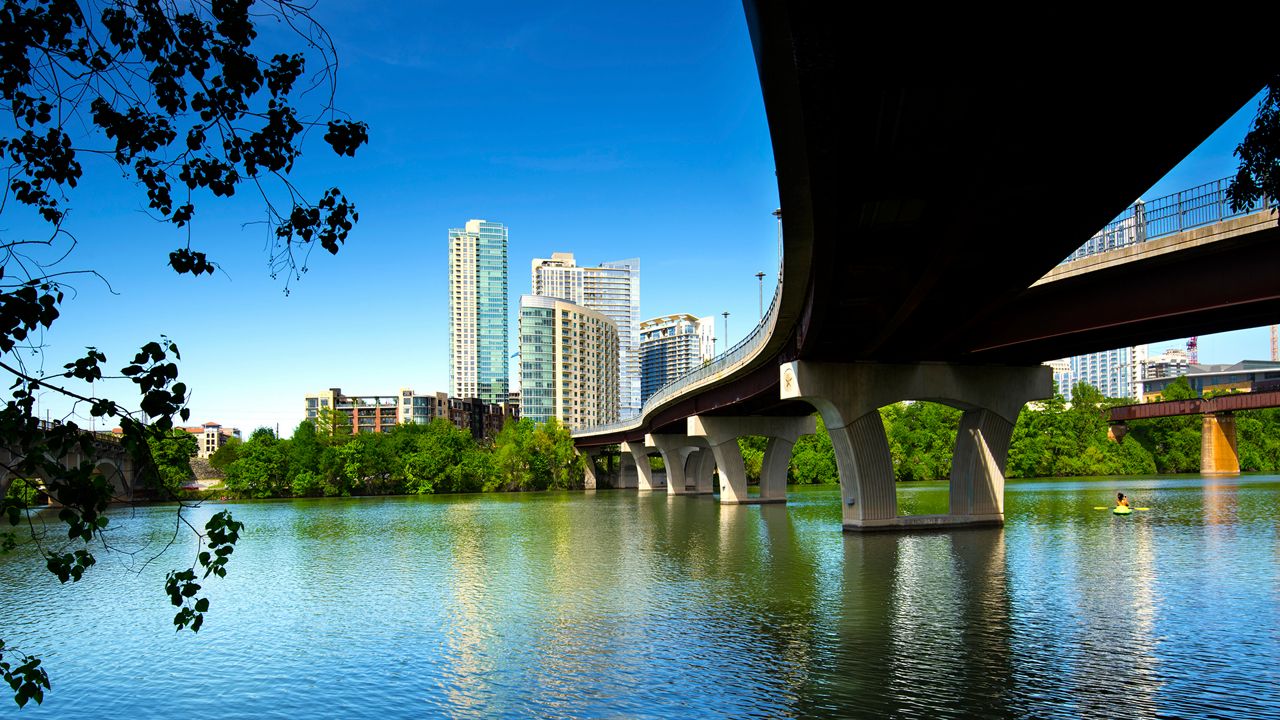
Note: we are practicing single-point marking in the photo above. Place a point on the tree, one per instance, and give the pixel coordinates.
(171, 457)
(1259, 173)
(177, 99)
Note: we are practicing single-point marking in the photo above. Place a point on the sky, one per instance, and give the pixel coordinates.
(609, 130)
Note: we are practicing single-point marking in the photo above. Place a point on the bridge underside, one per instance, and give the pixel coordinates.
(931, 180)
(926, 182)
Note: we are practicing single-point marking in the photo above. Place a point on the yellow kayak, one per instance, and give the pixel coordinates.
(1122, 510)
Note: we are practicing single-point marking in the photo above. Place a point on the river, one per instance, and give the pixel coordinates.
(620, 605)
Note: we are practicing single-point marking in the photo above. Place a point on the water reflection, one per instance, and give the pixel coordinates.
(619, 604)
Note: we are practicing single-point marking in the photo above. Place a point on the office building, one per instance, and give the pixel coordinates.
(671, 346)
(478, 311)
(612, 289)
(568, 363)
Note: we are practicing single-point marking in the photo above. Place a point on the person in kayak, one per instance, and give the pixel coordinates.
(1121, 500)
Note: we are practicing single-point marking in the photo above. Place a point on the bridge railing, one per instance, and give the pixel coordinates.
(1146, 220)
(743, 350)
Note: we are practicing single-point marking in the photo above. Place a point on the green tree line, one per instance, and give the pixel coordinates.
(437, 457)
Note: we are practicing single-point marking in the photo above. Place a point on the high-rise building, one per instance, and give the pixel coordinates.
(611, 288)
(568, 363)
(478, 311)
(671, 346)
(1116, 373)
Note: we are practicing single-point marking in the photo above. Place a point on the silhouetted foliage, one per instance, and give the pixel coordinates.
(1259, 173)
(174, 95)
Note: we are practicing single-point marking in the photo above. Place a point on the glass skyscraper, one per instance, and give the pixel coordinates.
(478, 311)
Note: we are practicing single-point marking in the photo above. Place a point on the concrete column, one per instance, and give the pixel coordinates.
(977, 466)
(627, 478)
(701, 467)
(1117, 431)
(640, 455)
(773, 470)
(1218, 450)
(722, 435)
(590, 481)
(849, 397)
(676, 450)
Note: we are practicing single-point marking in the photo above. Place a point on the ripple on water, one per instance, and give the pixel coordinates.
(619, 605)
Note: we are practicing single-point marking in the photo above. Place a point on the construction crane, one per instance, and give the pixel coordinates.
(1193, 350)
(1275, 343)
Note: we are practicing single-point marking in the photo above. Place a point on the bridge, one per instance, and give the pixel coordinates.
(109, 457)
(925, 207)
(1219, 452)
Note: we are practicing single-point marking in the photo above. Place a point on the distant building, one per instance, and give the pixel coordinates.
(1244, 376)
(380, 413)
(1061, 376)
(612, 289)
(568, 363)
(210, 437)
(363, 413)
(671, 346)
(478, 311)
(1170, 363)
(1116, 373)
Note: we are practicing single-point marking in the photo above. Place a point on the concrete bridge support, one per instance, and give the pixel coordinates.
(676, 451)
(640, 458)
(700, 468)
(590, 481)
(722, 435)
(849, 397)
(1218, 450)
(627, 476)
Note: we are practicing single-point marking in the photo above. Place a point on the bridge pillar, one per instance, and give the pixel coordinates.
(676, 451)
(640, 457)
(701, 467)
(627, 476)
(1116, 431)
(1218, 450)
(722, 435)
(849, 397)
(590, 481)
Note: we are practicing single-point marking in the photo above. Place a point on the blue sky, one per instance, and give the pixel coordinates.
(595, 128)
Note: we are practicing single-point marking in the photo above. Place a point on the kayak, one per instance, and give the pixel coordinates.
(1122, 510)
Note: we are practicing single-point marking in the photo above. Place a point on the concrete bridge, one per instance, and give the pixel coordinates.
(1219, 453)
(110, 460)
(923, 205)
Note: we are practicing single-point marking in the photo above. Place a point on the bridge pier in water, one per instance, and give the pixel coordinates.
(1218, 450)
(722, 435)
(680, 455)
(590, 473)
(849, 396)
(640, 459)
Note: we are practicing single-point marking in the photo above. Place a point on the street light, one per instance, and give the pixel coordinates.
(726, 330)
(760, 277)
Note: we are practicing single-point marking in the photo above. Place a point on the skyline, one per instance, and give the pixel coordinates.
(632, 132)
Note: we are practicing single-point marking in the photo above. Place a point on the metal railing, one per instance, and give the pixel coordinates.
(1142, 221)
(742, 351)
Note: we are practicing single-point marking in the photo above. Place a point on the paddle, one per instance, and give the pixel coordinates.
(1108, 507)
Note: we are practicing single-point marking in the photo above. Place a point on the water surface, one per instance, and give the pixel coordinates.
(617, 604)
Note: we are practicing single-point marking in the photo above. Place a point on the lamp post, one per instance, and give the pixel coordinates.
(760, 277)
(726, 330)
